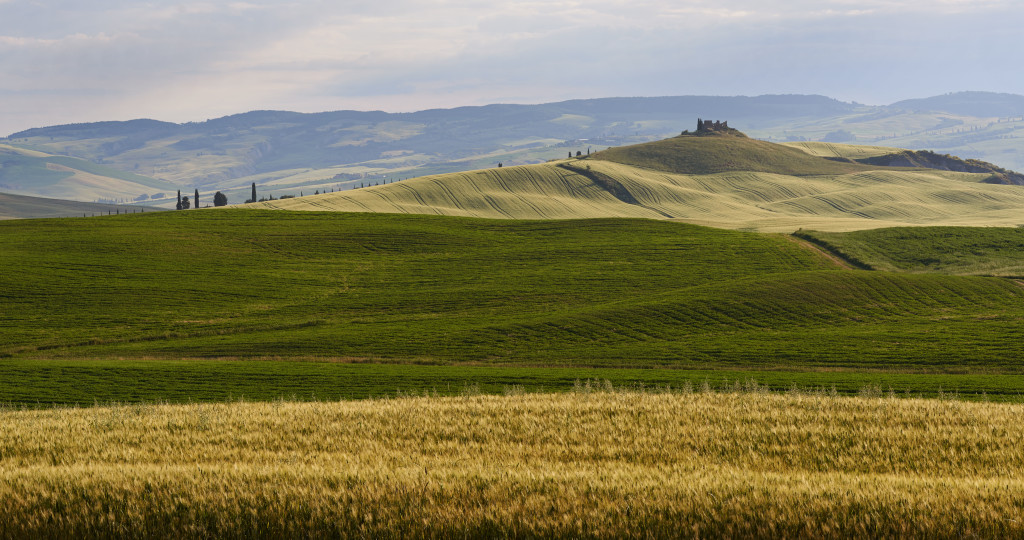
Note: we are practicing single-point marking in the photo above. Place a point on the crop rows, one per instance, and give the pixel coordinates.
(346, 288)
(592, 463)
(827, 195)
(995, 251)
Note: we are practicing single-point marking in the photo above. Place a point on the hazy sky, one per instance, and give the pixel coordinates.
(64, 61)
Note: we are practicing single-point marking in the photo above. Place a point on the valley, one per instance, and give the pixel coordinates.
(288, 153)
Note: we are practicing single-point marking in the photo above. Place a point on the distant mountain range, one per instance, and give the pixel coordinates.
(295, 153)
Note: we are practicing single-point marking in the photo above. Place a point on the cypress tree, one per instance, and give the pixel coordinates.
(254, 192)
(179, 200)
(195, 200)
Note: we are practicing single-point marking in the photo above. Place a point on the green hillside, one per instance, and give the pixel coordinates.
(22, 207)
(728, 182)
(990, 251)
(27, 172)
(340, 287)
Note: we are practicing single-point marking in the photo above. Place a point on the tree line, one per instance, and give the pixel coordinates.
(219, 199)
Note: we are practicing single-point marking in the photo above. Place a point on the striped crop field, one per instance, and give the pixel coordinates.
(734, 183)
(601, 464)
(839, 150)
(104, 301)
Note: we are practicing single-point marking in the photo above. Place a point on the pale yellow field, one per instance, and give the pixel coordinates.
(602, 464)
(736, 200)
(849, 151)
(22, 151)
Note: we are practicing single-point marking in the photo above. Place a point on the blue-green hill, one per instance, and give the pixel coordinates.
(22, 207)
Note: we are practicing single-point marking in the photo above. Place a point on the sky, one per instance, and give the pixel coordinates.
(70, 61)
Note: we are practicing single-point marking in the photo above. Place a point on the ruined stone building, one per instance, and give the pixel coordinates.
(708, 125)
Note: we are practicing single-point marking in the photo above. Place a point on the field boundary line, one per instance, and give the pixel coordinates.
(835, 258)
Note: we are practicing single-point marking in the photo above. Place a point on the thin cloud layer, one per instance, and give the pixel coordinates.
(69, 61)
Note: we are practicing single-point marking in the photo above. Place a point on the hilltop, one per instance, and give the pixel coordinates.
(723, 180)
(718, 152)
(293, 153)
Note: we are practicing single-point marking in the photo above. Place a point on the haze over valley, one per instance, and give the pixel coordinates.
(147, 161)
(604, 269)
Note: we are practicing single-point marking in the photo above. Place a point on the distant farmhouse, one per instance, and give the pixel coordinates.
(704, 126)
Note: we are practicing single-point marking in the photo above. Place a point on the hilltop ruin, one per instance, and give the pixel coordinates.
(704, 126)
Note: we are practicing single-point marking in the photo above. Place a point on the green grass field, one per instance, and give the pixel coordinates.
(125, 298)
(85, 382)
(989, 251)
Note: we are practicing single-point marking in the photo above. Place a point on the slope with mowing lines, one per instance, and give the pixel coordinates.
(839, 150)
(759, 186)
(723, 153)
(526, 192)
(617, 293)
(995, 251)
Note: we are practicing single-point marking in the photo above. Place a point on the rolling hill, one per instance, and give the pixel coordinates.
(723, 181)
(22, 207)
(111, 306)
(33, 173)
(294, 153)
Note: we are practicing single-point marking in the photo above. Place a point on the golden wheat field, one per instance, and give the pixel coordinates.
(758, 201)
(583, 464)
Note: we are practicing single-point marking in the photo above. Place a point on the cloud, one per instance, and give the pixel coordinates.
(186, 60)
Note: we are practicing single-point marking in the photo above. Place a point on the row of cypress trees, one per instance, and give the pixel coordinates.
(219, 199)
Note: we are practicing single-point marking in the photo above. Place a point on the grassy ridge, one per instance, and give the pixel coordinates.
(989, 251)
(450, 291)
(587, 464)
(726, 182)
(688, 154)
(839, 150)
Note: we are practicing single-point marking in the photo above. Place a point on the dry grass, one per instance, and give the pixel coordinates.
(849, 151)
(735, 200)
(600, 464)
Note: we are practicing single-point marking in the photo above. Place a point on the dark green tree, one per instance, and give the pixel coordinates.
(220, 199)
(185, 205)
(195, 200)
(254, 192)
(178, 207)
